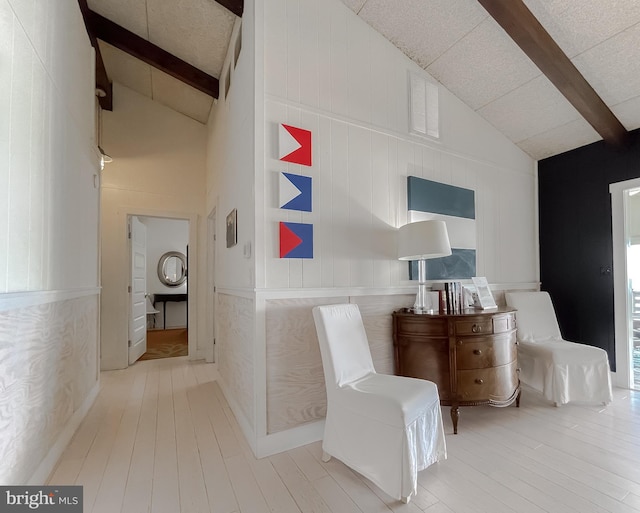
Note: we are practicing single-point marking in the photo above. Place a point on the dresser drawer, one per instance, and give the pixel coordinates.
(504, 323)
(474, 326)
(495, 385)
(415, 325)
(483, 352)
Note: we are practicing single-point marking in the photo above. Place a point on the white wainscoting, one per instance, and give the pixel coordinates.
(235, 346)
(294, 388)
(48, 370)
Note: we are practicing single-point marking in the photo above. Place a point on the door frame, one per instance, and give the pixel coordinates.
(210, 354)
(623, 377)
(192, 287)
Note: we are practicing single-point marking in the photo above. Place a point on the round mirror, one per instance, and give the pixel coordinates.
(172, 269)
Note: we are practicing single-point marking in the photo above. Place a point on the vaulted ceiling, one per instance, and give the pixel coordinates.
(171, 51)
(552, 75)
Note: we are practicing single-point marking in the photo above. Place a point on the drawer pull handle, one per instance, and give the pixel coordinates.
(477, 351)
(479, 381)
(476, 329)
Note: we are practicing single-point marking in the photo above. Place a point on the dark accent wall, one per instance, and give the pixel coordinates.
(576, 249)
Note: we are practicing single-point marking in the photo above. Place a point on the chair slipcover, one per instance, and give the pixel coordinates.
(387, 428)
(563, 371)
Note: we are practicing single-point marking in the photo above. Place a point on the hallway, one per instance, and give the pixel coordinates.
(157, 434)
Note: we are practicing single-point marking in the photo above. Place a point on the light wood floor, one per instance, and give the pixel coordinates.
(162, 438)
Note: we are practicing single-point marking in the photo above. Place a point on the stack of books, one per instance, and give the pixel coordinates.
(451, 296)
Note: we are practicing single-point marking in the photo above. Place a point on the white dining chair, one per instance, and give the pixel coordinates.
(563, 371)
(385, 427)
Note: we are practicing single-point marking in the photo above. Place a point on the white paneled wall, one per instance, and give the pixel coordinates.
(359, 199)
(49, 201)
(47, 165)
(231, 182)
(231, 162)
(327, 71)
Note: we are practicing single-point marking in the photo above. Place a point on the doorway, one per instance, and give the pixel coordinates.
(632, 244)
(625, 203)
(166, 287)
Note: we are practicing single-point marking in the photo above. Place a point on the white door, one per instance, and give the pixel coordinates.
(138, 308)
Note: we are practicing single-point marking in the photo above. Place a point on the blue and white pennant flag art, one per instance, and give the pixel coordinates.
(295, 192)
(456, 207)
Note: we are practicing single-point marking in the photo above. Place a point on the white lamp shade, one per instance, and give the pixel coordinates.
(423, 240)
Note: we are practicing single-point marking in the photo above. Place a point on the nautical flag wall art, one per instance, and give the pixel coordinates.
(294, 145)
(456, 207)
(296, 240)
(295, 192)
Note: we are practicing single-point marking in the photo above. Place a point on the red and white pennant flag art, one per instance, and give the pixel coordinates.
(294, 145)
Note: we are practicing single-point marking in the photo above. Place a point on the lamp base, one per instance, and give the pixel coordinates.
(423, 302)
(423, 310)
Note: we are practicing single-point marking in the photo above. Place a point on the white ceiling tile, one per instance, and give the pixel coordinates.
(130, 14)
(628, 113)
(354, 5)
(533, 108)
(581, 24)
(613, 68)
(129, 71)
(423, 30)
(483, 66)
(197, 31)
(560, 139)
(180, 97)
(455, 40)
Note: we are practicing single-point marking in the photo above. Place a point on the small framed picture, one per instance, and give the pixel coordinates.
(485, 298)
(232, 228)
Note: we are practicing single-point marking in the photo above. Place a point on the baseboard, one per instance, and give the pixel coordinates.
(46, 468)
(290, 439)
(245, 425)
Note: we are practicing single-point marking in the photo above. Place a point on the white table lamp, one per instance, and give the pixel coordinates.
(421, 241)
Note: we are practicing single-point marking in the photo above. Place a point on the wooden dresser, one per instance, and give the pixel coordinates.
(471, 356)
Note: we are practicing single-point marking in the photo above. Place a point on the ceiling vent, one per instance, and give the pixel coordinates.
(423, 106)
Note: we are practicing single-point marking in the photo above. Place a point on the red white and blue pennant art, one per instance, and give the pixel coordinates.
(294, 145)
(296, 240)
(295, 192)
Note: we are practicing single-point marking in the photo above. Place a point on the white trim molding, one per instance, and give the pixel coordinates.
(15, 300)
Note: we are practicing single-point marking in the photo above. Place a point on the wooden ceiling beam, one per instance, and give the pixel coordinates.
(523, 27)
(104, 87)
(235, 6)
(134, 45)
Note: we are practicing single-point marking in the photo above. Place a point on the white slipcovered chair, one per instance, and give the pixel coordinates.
(563, 371)
(385, 427)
